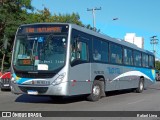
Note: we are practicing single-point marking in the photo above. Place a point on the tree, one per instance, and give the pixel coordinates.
(158, 65)
(13, 13)
(46, 16)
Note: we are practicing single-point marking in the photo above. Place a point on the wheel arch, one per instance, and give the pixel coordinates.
(142, 78)
(102, 79)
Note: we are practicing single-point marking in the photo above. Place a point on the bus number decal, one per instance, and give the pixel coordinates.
(99, 72)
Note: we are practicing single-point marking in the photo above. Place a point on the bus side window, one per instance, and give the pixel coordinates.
(79, 51)
(151, 61)
(127, 56)
(82, 51)
(115, 53)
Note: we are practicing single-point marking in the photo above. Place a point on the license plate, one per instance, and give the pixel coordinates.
(32, 92)
(6, 85)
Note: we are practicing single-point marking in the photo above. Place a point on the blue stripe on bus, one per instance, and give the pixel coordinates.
(20, 80)
(149, 72)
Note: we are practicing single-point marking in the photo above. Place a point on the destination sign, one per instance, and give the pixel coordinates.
(24, 61)
(43, 28)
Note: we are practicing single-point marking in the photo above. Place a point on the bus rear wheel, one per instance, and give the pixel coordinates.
(140, 86)
(96, 91)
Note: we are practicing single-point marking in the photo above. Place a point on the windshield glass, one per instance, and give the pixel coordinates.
(39, 52)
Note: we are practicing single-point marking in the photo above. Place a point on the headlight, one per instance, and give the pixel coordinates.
(13, 80)
(59, 79)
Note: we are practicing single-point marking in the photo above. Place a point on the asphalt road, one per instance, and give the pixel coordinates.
(125, 100)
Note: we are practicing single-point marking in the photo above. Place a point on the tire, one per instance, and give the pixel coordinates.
(140, 86)
(96, 91)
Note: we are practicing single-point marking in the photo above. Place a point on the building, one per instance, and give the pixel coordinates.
(132, 38)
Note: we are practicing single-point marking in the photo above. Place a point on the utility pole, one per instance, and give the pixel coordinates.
(94, 17)
(154, 41)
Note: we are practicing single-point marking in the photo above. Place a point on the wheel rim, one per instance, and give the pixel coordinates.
(141, 86)
(96, 90)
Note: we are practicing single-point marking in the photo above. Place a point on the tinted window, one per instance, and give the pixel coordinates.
(151, 61)
(128, 57)
(144, 60)
(115, 53)
(83, 51)
(137, 58)
(79, 47)
(100, 50)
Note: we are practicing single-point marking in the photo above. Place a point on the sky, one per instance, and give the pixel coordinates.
(134, 16)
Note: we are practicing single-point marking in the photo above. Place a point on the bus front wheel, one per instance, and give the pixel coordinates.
(96, 91)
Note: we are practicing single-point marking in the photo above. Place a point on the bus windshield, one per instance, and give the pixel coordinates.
(39, 52)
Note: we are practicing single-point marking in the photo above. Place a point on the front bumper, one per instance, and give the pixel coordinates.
(60, 90)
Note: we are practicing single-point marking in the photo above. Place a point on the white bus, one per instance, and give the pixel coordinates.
(60, 59)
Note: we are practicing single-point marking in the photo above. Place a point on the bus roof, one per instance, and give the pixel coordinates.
(91, 32)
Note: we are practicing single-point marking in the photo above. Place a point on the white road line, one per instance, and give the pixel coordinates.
(136, 102)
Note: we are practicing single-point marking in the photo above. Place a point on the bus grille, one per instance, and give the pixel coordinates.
(38, 89)
(34, 75)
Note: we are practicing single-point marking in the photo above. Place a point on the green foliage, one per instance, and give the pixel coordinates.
(46, 16)
(91, 28)
(12, 14)
(158, 65)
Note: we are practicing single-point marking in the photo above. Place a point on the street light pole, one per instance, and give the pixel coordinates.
(94, 16)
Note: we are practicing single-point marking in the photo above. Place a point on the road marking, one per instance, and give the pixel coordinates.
(136, 102)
